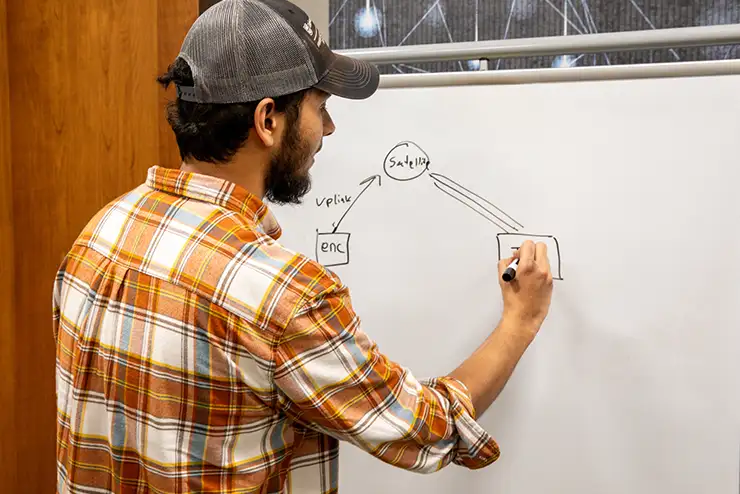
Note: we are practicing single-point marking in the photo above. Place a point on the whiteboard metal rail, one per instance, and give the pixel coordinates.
(536, 76)
(553, 45)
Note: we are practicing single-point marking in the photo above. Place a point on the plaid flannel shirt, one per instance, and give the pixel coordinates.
(197, 354)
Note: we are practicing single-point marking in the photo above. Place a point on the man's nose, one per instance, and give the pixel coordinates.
(329, 126)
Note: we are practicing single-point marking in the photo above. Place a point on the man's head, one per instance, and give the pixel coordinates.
(252, 79)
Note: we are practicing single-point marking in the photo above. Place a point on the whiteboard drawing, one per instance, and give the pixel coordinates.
(407, 161)
(508, 242)
(475, 202)
(332, 248)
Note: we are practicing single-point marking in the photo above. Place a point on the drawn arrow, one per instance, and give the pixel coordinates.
(479, 204)
(367, 183)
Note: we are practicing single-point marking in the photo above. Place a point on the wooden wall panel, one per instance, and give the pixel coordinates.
(175, 18)
(86, 115)
(7, 328)
(82, 100)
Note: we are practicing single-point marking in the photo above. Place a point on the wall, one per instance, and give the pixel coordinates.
(7, 341)
(317, 10)
(174, 20)
(87, 122)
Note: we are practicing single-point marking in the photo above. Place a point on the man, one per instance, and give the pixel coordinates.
(197, 354)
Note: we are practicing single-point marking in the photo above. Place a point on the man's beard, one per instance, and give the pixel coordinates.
(287, 180)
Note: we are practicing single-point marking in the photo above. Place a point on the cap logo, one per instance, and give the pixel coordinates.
(313, 31)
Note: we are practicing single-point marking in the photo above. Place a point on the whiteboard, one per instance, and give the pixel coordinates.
(633, 384)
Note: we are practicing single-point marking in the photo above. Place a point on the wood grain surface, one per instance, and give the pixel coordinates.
(86, 122)
(175, 18)
(7, 269)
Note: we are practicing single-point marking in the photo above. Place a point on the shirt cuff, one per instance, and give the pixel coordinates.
(475, 448)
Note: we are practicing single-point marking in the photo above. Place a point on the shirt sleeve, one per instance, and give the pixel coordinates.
(332, 377)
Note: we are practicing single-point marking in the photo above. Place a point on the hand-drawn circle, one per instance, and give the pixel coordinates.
(406, 161)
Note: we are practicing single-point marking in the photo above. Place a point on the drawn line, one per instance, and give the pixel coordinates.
(369, 181)
(439, 186)
(437, 181)
(440, 178)
(557, 251)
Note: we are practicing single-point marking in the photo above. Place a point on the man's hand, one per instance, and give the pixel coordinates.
(527, 297)
(526, 304)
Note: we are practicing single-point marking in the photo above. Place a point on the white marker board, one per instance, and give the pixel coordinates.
(633, 384)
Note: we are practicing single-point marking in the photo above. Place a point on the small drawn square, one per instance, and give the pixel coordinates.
(508, 242)
(332, 249)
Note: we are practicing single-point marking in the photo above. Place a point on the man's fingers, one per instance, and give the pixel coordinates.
(526, 252)
(531, 256)
(502, 264)
(505, 262)
(540, 251)
(541, 255)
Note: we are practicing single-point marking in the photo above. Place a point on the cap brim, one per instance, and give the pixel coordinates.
(350, 78)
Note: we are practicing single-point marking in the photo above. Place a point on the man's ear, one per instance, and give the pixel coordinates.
(267, 122)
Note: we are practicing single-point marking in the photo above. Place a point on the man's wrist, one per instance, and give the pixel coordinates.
(519, 327)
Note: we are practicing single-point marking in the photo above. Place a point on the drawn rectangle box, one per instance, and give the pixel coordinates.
(508, 242)
(332, 249)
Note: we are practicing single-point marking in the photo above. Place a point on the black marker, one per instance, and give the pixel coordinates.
(510, 272)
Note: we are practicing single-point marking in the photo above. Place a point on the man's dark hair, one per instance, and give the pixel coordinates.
(215, 132)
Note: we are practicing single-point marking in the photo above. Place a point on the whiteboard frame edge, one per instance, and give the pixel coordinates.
(569, 74)
(723, 34)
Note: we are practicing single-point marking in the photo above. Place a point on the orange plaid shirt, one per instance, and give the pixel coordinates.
(197, 354)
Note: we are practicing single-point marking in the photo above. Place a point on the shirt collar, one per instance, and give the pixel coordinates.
(216, 191)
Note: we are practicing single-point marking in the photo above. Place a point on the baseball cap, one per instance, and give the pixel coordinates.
(245, 50)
